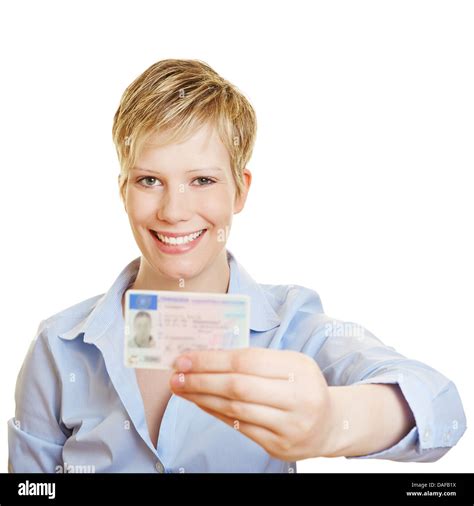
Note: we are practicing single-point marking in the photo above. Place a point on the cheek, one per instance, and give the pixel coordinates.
(217, 208)
(140, 206)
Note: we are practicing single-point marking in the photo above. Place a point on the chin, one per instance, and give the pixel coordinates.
(180, 268)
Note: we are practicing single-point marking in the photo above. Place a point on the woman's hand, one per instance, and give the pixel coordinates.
(278, 398)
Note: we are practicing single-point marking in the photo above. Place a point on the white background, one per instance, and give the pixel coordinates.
(362, 171)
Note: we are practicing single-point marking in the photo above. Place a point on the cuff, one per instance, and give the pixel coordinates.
(440, 419)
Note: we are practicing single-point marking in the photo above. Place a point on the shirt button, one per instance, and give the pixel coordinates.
(426, 435)
(159, 466)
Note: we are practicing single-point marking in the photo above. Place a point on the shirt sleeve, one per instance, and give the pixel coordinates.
(351, 355)
(35, 434)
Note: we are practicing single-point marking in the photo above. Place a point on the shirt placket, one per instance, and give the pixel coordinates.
(125, 383)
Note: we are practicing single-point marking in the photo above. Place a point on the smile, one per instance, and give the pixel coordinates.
(181, 239)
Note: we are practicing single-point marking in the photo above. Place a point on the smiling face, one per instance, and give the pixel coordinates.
(180, 189)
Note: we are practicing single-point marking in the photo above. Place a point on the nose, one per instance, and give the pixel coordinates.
(174, 205)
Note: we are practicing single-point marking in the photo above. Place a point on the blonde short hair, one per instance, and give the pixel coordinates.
(178, 96)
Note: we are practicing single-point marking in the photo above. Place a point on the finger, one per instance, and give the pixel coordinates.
(267, 417)
(260, 435)
(268, 362)
(277, 393)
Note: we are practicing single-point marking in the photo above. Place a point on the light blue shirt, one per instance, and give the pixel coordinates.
(79, 408)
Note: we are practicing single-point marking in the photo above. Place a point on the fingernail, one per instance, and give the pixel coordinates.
(183, 364)
(178, 380)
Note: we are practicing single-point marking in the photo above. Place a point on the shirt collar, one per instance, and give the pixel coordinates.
(109, 305)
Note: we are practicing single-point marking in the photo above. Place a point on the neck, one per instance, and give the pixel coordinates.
(214, 279)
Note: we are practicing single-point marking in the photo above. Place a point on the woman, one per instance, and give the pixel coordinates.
(307, 386)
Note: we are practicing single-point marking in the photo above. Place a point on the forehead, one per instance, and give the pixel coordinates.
(203, 148)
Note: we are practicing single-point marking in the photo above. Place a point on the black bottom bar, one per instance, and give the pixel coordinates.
(238, 489)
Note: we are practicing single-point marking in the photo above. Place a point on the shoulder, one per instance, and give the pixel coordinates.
(290, 299)
(66, 319)
(46, 348)
(297, 314)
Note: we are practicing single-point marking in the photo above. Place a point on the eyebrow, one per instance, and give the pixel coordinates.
(188, 171)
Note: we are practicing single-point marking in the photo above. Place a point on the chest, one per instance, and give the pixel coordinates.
(155, 392)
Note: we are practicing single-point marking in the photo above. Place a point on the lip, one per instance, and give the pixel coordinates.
(174, 249)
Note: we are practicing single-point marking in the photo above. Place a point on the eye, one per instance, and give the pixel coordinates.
(207, 181)
(147, 177)
(211, 181)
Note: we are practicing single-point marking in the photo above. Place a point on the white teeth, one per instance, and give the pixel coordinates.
(180, 240)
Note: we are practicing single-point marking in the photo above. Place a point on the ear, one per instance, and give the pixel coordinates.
(122, 198)
(240, 200)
